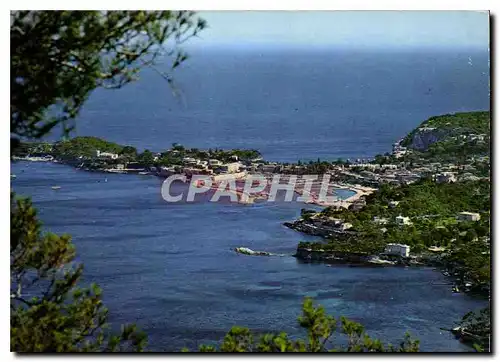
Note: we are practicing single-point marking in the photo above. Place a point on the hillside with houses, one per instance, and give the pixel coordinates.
(439, 216)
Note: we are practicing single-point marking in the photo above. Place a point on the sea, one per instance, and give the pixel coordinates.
(171, 268)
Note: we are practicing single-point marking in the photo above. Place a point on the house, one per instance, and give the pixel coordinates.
(380, 220)
(358, 204)
(397, 249)
(399, 154)
(468, 216)
(190, 171)
(230, 167)
(393, 204)
(106, 155)
(345, 226)
(214, 162)
(268, 168)
(476, 137)
(469, 177)
(166, 171)
(436, 249)
(402, 220)
(445, 177)
(190, 161)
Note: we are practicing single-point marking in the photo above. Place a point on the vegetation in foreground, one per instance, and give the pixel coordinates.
(51, 313)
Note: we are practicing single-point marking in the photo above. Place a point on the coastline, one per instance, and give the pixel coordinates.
(359, 190)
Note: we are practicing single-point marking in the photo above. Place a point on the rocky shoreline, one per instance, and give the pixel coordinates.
(359, 259)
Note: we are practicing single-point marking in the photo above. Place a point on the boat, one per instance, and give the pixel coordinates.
(56, 187)
(13, 176)
(455, 289)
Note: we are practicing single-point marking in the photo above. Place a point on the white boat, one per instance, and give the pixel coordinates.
(13, 176)
(56, 187)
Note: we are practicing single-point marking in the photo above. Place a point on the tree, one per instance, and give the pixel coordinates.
(146, 158)
(59, 57)
(178, 147)
(59, 316)
(320, 329)
(129, 151)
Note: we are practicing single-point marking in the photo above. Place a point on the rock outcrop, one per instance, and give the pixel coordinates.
(426, 136)
(247, 251)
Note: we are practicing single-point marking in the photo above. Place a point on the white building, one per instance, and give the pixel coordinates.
(446, 177)
(190, 161)
(230, 167)
(108, 155)
(345, 226)
(167, 171)
(214, 162)
(399, 154)
(402, 220)
(380, 220)
(468, 216)
(397, 249)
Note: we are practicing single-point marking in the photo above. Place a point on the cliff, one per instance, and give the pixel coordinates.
(440, 128)
(426, 136)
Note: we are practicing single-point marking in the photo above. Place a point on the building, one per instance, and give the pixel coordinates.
(167, 171)
(191, 171)
(402, 220)
(468, 216)
(397, 249)
(214, 162)
(345, 226)
(380, 220)
(230, 167)
(399, 153)
(108, 155)
(436, 249)
(190, 161)
(393, 204)
(445, 177)
(358, 204)
(268, 168)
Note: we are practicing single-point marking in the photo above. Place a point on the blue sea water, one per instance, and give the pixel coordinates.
(170, 268)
